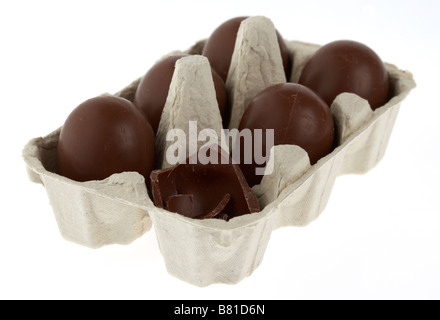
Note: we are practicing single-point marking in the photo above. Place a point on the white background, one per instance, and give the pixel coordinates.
(380, 233)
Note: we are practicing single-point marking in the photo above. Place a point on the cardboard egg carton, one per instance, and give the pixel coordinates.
(118, 210)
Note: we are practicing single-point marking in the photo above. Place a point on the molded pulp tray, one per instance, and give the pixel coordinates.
(118, 210)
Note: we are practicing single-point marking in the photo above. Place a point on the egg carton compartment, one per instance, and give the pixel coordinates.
(118, 210)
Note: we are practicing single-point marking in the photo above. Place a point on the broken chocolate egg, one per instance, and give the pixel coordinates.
(216, 189)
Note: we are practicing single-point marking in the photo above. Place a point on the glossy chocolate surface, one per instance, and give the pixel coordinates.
(220, 46)
(204, 191)
(152, 91)
(297, 115)
(103, 136)
(347, 66)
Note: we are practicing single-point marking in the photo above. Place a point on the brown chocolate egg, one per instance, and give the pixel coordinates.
(347, 66)
(152, 91)
(298, 117)
(220, 46)
(103, 136)
(204, 191)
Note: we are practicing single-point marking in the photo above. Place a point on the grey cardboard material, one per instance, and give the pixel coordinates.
(118, 210)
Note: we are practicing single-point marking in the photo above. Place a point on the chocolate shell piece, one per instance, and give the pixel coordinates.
(204, 191)
(347, 66)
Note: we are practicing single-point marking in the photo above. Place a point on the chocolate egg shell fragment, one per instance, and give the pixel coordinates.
(103, 136)
(347, 66)
(297, 116)
(203, 191)
(152, 91)
(220, 47)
